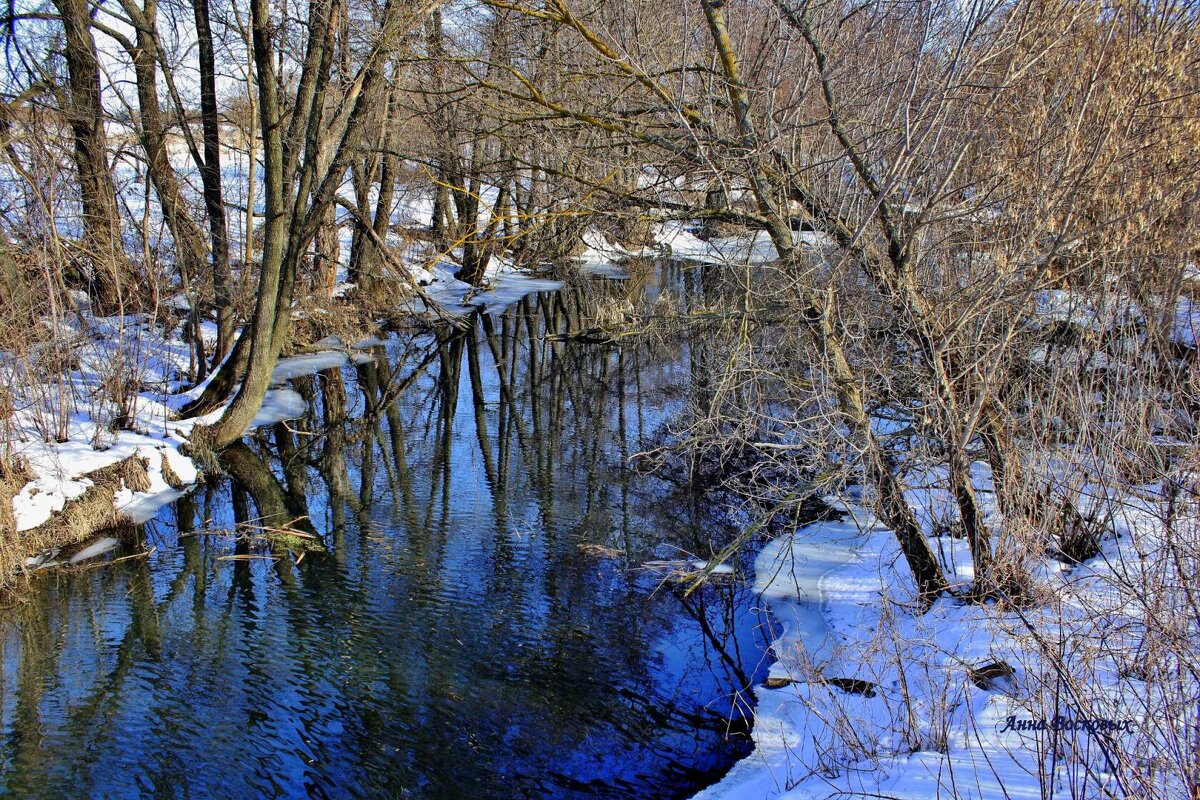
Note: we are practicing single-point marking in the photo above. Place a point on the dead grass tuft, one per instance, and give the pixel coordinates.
(171, 478)
(80, 520)
(134, 473)
(322, 318)
(14, 474)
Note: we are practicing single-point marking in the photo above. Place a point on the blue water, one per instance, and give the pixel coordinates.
(477, 622)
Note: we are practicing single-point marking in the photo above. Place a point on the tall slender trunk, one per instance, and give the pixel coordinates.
(383, 216)
(389, 164)
(251, 176)
(188, 238)
(442, 225)
(210, 177)
(263, 352)
(362, 177)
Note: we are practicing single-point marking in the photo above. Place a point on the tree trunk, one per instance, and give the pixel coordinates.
(263, 352)
(893, 508)
(361, 176)
(442, 229)
(327, 252)
(210, 176)
(97, 192)
(382, 222)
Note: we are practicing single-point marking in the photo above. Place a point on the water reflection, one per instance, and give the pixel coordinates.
(469, 617)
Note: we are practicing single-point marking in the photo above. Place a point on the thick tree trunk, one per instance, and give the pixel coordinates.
(223, 383)
(97, 192)
(442, 229)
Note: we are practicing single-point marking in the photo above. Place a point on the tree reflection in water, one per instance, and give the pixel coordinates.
(477, 625)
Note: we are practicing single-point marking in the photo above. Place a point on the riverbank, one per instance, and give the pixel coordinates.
(1062, 696)
(97, 479)
(84, 458)
(82, 461)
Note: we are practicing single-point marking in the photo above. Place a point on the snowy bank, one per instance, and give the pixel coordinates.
(870, 698)
(86, 456)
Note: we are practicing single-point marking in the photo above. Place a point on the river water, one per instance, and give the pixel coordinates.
(470, 615)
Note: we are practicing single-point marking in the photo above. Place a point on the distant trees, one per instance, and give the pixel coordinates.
(909, 138)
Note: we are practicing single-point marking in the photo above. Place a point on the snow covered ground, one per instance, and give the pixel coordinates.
(754, 249)
(968, 700)
(505, 285)
(88, 441)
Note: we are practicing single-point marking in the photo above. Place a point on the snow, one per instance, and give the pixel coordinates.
(96, 548)
(505, 286)
(602, 269)
(599, 250)
(309, 364)
(838, 593)
(61, 468)
(508, 289)
(1187, 323)
(45, 496)
(1084, 310)
(788, 575)
(714, 569)
(281, 402)
(1101, 314)
(755, 248)
(603, 258)
(183, 467)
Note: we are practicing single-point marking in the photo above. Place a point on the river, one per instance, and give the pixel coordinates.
(465, 612)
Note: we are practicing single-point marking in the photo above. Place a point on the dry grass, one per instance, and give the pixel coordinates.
(322, 317)
(13, 477)
(169, 475)
(81, 519)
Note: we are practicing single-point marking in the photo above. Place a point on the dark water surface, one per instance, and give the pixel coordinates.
(477, 623)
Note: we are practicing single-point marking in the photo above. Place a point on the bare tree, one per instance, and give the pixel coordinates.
(210, 173)
(304, 165)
